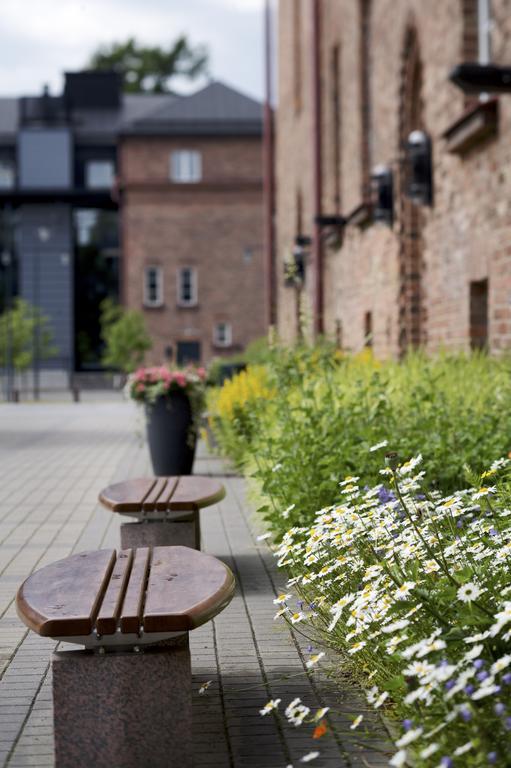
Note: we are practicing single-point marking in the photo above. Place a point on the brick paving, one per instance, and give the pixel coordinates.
(54, 459)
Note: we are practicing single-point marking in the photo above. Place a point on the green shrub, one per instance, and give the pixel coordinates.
(22, 325)
(327, 411)
(125, 336)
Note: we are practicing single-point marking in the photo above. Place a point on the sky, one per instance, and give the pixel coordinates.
(40, 39)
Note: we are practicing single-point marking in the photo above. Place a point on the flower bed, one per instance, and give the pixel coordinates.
(314, 415)
(414, 588)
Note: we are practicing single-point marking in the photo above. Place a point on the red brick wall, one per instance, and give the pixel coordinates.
(466, 234)
(209, 226)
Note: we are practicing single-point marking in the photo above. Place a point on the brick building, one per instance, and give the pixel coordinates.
(191, 181)
(153, 198)
(365, 102)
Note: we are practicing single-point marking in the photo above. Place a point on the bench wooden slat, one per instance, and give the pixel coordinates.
(62, 599)
(195, 492)
(132, 610)
(200, 585)
(111, 607)
(127, 496)
(163, 503)
(190, 492)
(159, 489)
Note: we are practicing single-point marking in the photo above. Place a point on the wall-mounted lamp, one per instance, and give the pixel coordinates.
(481, 78)
(294, 270)
(382, 194)
(418, 168)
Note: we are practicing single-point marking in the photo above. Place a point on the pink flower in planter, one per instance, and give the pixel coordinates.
(201, 373)
(140, 387)
(180, 379)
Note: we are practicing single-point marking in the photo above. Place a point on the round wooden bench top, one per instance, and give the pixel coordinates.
(163, 494)
(159, 590)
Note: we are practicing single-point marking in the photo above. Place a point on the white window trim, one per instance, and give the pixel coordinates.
(158, 302)
(195, 287)
(484, 31)
(228, 335)
(174, 171)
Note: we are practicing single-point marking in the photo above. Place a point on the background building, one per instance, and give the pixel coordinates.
(392, 260)
(153, 198)
(191, 181)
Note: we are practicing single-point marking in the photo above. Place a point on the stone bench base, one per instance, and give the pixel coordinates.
(185, 533)
(124, 709)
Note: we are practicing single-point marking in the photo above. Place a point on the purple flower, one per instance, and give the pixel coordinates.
(507, 723)
(466, 714)
(407, 724)
(492, 757)
(450, 684)
(499, 709)
(507, 678)
(479, 663)
(469, 689)
(384, 495)
(482, 675)
(309, 649)
(459, 523)
(446, 762)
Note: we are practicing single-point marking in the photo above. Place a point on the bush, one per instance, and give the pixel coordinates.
(21, 324)
(414, 588)
(327, 412)
(125, 336)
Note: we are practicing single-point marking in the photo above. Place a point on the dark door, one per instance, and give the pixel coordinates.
(188, 352)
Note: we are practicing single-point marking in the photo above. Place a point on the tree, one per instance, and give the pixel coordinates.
(150, 69)
(125, 336)
(18, 329)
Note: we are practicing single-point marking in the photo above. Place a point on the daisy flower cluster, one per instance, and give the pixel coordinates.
(415, 589)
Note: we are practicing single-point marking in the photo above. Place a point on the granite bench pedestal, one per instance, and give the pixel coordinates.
(165, 509)
(124, 700)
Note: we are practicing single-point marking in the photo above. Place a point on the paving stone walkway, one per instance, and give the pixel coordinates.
(54, 460)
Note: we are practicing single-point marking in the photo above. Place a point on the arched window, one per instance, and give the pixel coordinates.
(412, 315)
(365, 95)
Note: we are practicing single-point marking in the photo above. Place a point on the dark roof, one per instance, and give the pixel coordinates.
(217, 109)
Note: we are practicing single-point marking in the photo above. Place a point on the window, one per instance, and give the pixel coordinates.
(368, 329)
(153, 287)
(6, 174)
(222, 335)
(186, 166)
(99, 174)
(187, 287)
(479, 314)
(188, 352)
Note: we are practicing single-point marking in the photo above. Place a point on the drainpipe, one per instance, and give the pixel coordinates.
(269, 172)
(317, 249)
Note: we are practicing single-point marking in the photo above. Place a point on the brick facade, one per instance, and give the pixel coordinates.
(214, 226)
(384, 72)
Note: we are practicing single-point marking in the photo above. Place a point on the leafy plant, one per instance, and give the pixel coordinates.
(150, 69)
(22, 328)
(125, 336)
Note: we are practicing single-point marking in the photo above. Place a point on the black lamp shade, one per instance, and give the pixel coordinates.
(382, 194)
(418, 168)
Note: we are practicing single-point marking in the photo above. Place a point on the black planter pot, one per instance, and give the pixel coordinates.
(170, 436)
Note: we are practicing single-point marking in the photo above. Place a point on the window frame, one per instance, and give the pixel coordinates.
(193, 174)
(194, 283)
(217, 342)
(159, 300)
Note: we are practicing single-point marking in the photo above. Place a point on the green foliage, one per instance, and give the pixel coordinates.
(125, 336)
(149, 69)
(328, 410)
(23, 327)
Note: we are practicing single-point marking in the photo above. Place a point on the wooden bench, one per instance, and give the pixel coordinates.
(124, 701)
(169, 504)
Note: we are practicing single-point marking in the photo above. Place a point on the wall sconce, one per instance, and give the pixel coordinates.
(382, 194)
(294, 270)
(418, 168)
